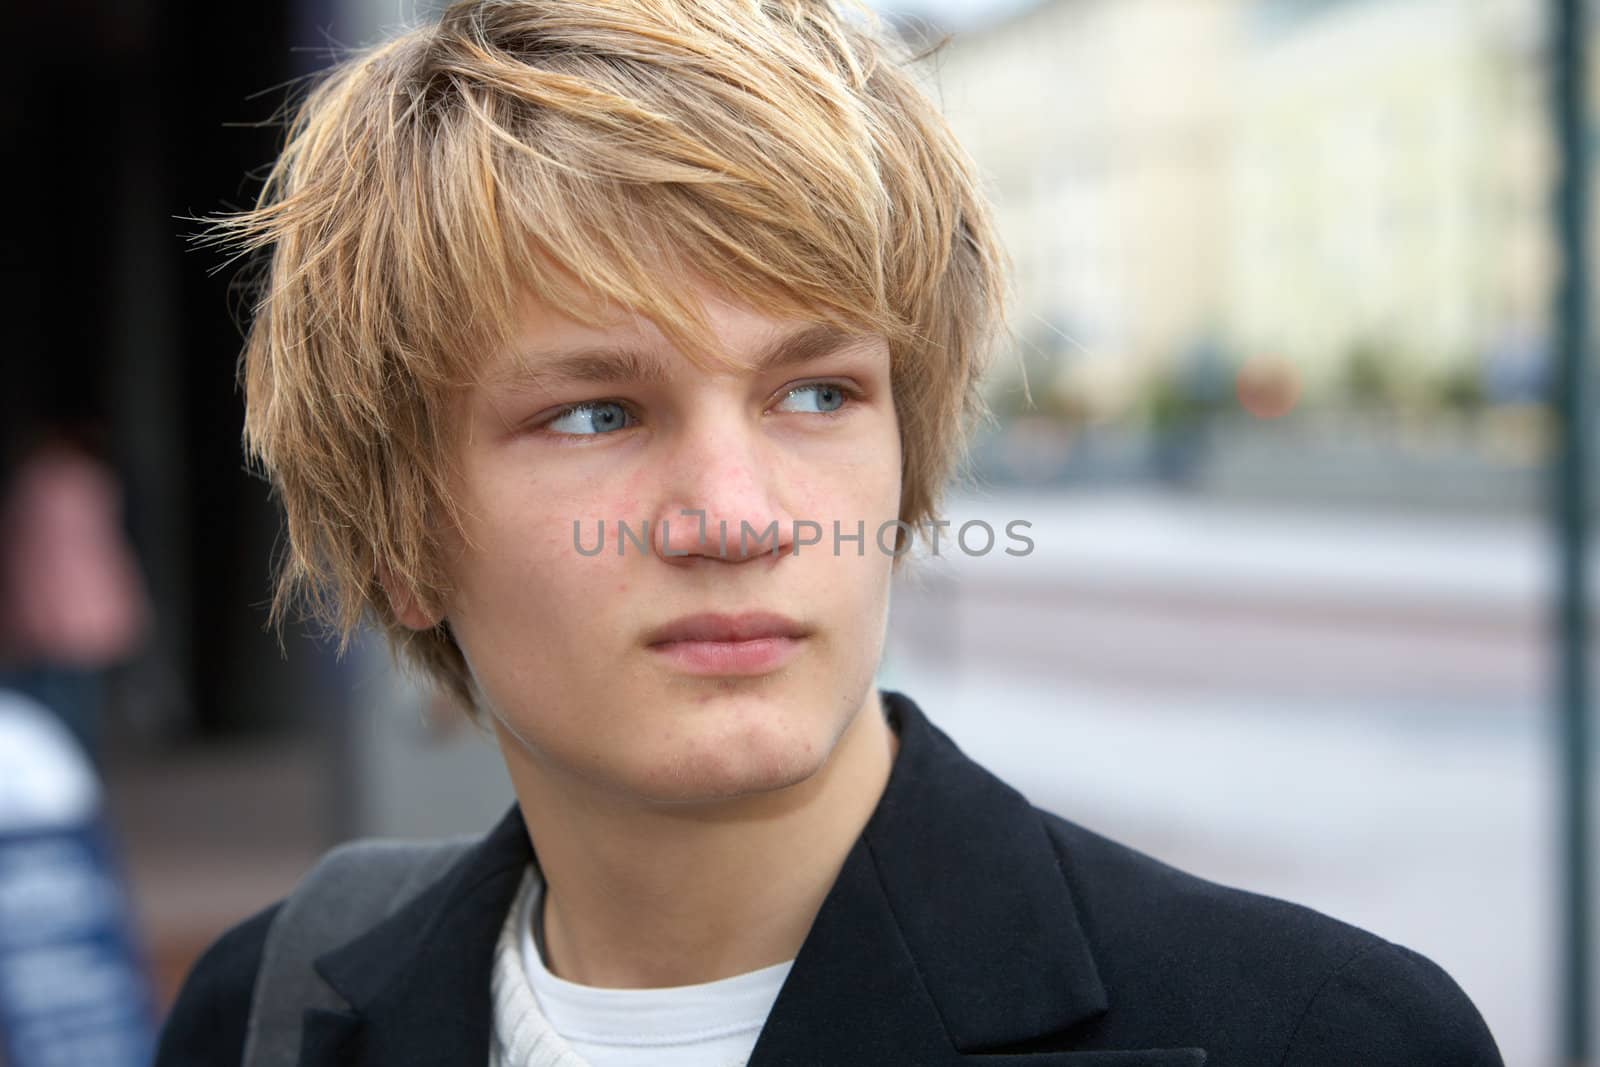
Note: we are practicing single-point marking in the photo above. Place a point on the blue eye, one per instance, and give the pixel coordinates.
(590, 419)
(830, 396)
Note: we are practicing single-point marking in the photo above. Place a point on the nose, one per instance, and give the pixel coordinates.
(721, 497)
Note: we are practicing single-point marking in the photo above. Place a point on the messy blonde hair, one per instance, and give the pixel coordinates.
(568, 149)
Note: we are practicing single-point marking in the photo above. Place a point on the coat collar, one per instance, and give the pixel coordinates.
(949, 932)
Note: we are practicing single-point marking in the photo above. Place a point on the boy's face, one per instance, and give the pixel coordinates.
(564, 645)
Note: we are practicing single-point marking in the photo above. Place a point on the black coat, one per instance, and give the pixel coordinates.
(965, 925)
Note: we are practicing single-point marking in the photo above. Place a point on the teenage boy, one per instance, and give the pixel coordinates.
(714, 274)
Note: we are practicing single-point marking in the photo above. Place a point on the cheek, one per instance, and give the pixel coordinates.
(528, 563)
(858, 477)
(544, 523)
(540, 614)
(871, 480)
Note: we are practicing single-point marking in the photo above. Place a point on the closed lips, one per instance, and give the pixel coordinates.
(751, 626)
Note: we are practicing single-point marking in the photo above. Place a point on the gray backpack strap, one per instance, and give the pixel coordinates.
(350, 890)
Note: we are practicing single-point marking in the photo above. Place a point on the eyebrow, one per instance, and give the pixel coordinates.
(608, 364)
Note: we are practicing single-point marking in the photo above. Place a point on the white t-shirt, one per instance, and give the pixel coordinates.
(544, 1021)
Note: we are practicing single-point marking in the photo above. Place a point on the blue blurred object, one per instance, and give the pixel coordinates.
(74, 694)
(73, 990)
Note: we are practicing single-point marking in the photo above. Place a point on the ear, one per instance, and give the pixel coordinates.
(403, 602)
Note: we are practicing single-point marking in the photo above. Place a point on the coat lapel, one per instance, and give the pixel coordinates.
(949, 937)
(417, 984)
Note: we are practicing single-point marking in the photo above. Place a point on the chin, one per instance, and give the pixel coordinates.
(741, 752)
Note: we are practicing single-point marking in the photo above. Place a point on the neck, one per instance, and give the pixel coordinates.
(639, 896)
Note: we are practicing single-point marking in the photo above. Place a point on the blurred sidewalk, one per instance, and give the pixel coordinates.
(1144, 591)
(210, 834)
(1176, 544)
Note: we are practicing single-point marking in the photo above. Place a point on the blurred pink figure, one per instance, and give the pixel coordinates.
(72, 599)
(73, 592)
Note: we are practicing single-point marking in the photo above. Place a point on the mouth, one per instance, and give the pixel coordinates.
(749, 644)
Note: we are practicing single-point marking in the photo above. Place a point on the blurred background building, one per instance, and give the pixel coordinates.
(1230, 211)
(1275, 400)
